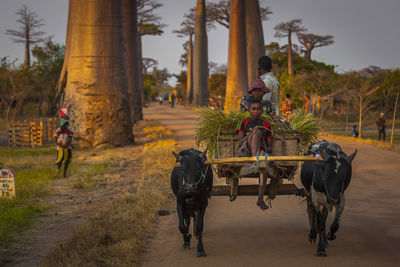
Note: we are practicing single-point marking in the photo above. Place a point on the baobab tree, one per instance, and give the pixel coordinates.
(187, 30)
(285, 29)
(133, 73)
(311, 41)
(236, 80)
(200, 59)
(254, 37)
(28, 32)
(220, 13)
(94, 73)
(148, 24)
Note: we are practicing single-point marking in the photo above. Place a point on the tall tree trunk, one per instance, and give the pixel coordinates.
(189, 88)
(200, 64)
(140, 75)
(96, 86)
(254, 38)
(27, 61)
(62, 80)
(236, 80)
(290, 60)
(360, 119)
(307, 54)
(394, 117)
(131, 32)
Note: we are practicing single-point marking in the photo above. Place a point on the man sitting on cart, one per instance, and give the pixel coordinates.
(255, 137)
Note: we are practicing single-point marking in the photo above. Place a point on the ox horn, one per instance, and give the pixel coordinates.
(351, 157)
(177, 156)
(203, 154)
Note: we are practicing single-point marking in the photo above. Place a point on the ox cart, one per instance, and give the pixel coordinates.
(285, 158)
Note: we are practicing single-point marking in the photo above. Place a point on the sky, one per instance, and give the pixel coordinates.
(366, 32)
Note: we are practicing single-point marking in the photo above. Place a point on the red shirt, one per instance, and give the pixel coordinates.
(249, 124)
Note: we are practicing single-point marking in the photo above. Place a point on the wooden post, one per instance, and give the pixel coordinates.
(394, 117)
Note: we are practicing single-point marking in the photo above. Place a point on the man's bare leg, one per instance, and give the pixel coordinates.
(261, 190)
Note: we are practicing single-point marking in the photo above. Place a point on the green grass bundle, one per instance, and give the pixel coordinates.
(214, 122)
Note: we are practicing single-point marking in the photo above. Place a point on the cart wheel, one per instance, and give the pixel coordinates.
(194, 225)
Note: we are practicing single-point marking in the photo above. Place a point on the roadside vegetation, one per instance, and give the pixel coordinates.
(35, 175)
(116, 235)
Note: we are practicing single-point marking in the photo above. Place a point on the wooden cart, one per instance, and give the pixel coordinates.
(285, 158)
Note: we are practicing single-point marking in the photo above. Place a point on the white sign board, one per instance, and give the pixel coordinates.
(7, 183)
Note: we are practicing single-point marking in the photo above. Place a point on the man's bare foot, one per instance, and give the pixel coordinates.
(262, 204)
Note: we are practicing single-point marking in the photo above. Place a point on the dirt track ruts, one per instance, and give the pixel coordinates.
(240, 234)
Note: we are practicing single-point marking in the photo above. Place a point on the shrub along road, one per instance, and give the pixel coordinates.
(240, 234)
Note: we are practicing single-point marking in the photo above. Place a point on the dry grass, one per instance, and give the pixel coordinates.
(375, 143)
(115, 236)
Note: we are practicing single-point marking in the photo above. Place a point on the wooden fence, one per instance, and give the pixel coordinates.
(31, 133)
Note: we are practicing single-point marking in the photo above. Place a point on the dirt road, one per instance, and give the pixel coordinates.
(240, 234)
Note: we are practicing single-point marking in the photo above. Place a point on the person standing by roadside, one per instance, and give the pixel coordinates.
(308, 105)
(266, 75)
(287, 108)
(381, 125)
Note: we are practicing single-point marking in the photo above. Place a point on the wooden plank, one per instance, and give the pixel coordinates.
(252, 190)
(262, 158)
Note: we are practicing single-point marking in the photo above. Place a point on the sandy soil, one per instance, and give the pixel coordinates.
(69, 208)
(240, 234)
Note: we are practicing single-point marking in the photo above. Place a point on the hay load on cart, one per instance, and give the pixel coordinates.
(290, 142)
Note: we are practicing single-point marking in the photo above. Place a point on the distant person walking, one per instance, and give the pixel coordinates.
(354, 131)
(63, 137)
(381, 125)
(172, 99)
(266, 75)
(287, 108)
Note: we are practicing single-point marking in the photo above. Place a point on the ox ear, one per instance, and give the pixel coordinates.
(323, 154)
(351, 157)
(203, 155)
(177, 156)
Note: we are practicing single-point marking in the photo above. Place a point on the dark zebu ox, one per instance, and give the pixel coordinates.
(192, 183)
(325, 183)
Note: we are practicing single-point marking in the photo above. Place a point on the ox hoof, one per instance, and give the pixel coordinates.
(320, 253)
(186, 246)
(331, 236)
(201, 254)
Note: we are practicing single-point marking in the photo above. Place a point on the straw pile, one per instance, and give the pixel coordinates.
(214, 122)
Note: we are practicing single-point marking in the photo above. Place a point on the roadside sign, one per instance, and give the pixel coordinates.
(7, 183)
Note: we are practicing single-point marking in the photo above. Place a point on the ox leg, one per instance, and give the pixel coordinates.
(321, 219)
(335, 224)
(312, 235)
(199, 227)
(182, 227)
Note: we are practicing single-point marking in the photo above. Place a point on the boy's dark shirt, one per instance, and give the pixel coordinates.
(249, 124)
(381, 123)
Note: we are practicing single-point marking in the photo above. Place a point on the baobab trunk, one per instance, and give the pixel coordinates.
(96, 84)
(131, 32)
(189, 88)
(307, 55)
(236, 80)
(140, 91)
(27, 62)
(394, 117)
(200, 64)
(290, 60)
(254, 38)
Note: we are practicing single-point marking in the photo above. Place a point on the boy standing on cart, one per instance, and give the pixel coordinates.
(255, 137)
